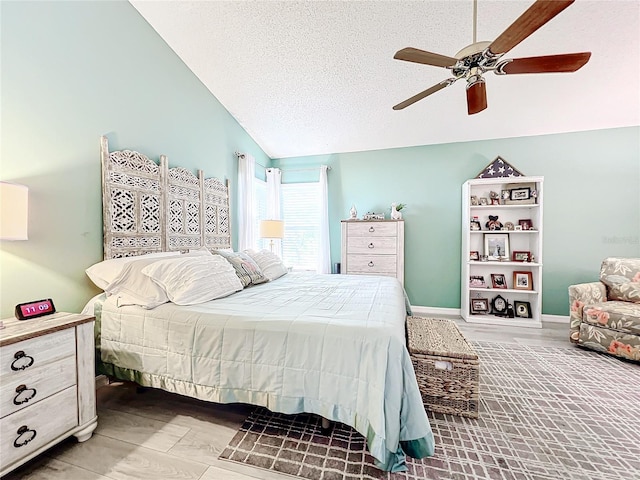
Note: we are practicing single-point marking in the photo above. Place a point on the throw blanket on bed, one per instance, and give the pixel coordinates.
(333, 345)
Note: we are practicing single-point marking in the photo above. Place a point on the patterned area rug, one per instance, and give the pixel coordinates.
(545, 414)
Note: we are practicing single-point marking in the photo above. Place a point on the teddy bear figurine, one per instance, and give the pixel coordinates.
(493, 223)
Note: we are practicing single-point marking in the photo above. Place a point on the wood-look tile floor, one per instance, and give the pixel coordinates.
(157, 435)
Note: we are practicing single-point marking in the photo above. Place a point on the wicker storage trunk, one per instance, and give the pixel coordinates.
(446, 366)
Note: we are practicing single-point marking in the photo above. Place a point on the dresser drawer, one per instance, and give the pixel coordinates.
(372, 245)
(19, 358)
(372, 229)
(371, 264)
(35, 385)
(29, 429)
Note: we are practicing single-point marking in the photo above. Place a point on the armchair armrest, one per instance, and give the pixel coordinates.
(580, 295)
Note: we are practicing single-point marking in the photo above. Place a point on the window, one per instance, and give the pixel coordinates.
(301, 215)
(259, 212)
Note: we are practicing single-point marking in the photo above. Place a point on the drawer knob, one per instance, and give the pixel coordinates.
(21, 362)
(371, 245)
(25, 435)
(371, 264)
(24, 394)
(371, 229)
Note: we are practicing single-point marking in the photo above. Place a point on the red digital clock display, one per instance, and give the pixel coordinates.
(35, 309)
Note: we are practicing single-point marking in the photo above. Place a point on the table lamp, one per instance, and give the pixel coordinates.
(271, 229)
(14, 211)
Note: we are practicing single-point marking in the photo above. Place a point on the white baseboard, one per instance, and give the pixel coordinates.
(448, 312)
(455, 312)
(555, 318)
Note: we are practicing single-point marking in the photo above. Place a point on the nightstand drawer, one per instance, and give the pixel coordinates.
(19, 358)
(372, 245)
(32, 386)
(31, 428)
(371, 264)
(372, 229)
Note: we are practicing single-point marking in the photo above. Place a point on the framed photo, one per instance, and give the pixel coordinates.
(526, 224)
(477, 281)
(475, 225)
(520, 194)
(517, 228)
(518, 256)
(495, 201)
(479, 305)
(522, 309)
(498, 280)
(523, 280)
(496, 245)
(474, 255)
(484, 201)
(474, 200)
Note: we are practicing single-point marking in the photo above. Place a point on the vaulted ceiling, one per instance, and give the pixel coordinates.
(314, 77)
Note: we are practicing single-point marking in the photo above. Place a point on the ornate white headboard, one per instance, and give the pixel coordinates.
(149, 207)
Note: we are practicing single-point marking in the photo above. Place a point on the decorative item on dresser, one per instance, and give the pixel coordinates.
(374, 247)
(47, 391)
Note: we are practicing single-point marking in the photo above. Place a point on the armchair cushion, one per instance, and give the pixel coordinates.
(622, 278)
(621, 316)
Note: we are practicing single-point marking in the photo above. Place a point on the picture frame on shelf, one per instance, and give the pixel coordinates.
(474, 255)
(477, 281)
(517, 228)
(496, 246)
(522, 280)
(484, 201)
(473, 201)
(498, 280)
(521, 194)
(526, 223)
(522, 309)
(520, 256)
(474, 225)
(479, 305)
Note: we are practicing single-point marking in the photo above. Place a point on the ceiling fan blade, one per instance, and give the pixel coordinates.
(437, 87)
(427, 58)
(476, 97)
(531, 20)
(569, 62)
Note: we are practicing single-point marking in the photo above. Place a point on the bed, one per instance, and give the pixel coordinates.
(331, 345)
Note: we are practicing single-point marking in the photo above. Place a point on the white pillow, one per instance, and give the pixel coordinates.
(190, 280)
(270, 264)
(105, 272)
(132, 287)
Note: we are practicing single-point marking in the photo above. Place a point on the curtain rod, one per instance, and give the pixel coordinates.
(299, 169)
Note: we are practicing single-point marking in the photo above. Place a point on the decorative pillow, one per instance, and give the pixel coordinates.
(246, 268)
(194, 279)
(622, 278)
(270, 263)
(132, 287)
(105, 272)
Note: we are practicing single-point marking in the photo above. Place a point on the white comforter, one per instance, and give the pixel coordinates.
(333, 345)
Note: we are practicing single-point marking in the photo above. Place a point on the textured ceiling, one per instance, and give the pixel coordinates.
(314, 77)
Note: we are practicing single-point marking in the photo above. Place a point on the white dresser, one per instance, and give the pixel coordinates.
(47, 385)
(373, 247)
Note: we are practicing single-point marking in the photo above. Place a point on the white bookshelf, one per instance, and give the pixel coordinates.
(519, 241)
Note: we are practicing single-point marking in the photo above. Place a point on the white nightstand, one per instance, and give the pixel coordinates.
(47, 385)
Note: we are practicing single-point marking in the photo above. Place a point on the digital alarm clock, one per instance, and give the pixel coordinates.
(38, 308)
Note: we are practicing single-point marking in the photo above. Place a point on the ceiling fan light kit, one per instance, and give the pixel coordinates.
(474, 60)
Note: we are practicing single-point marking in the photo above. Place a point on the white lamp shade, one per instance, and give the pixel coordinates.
(14, 211)
(271, 229)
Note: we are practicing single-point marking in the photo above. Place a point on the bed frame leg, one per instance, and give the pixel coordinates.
(326, 425)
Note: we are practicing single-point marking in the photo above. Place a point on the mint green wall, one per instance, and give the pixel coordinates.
(591, 193)
(71, 72)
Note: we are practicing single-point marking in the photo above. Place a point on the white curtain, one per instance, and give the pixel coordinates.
(324, 254)
(246, 174)
(274, 182)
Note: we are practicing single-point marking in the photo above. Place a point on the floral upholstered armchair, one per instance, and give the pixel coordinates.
(605, 315)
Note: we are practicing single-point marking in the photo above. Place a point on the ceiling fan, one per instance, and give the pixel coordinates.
(474, 60)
